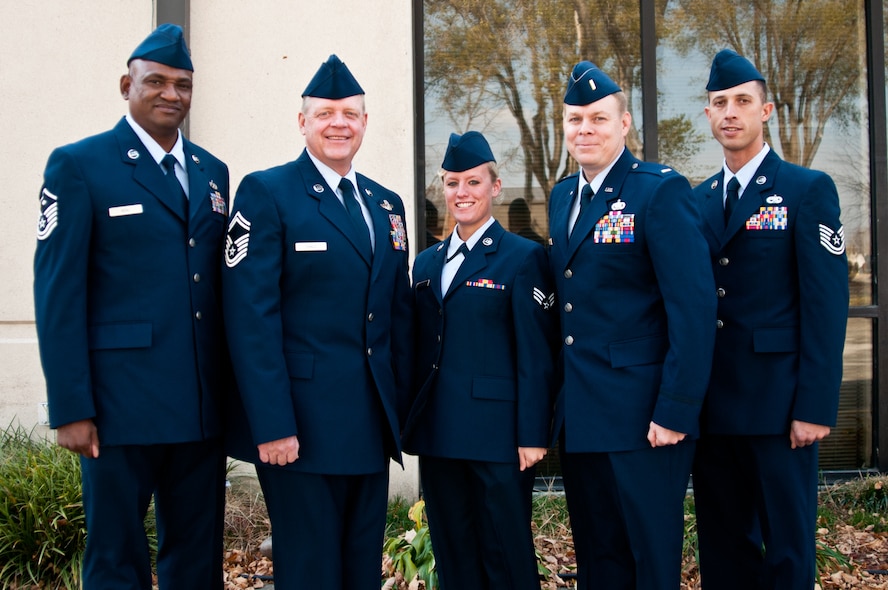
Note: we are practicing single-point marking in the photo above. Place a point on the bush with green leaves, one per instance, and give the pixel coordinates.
(42, 525)
(410, 554)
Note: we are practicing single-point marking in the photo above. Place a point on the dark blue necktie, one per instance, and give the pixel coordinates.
(169, 166)
(463, 249)
(585, 199)
(354, 211)
(732, 197)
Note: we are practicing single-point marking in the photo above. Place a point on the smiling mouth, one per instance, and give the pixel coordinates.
(464, 204)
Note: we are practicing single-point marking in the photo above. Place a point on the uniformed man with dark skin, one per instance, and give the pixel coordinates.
(129, 322)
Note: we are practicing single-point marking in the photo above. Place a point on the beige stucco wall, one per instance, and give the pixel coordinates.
(60, 63)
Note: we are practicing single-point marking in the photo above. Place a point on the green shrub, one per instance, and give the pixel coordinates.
(410, 555)
(42, 525)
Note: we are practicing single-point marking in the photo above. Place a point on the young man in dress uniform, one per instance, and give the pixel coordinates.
(637, 302)
(778, 255)
(317, 302)
(126, 289)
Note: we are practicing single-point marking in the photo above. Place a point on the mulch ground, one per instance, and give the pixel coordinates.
(867, 553)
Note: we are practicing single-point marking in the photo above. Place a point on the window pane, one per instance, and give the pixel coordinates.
(849, 446)
(818, 85)
(501, 67)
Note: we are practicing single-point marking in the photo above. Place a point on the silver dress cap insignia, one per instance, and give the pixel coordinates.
(487, 241)
(133, 154)
(318, 188)
(761, 180)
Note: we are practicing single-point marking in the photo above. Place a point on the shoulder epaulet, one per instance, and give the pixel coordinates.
(653, 168)
(572, 177)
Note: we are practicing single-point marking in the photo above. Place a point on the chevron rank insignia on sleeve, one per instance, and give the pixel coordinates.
(833, 241)
(237, 240)
(49, 214)
(544, 301)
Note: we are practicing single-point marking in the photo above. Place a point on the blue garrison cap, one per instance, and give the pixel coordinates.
(731, 69)
(333, 80)
(466, 151)
(587, 84)
(166, 45)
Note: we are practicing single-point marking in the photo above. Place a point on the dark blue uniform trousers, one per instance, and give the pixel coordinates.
(479, 518)
(750, 492)
(627, 515)
(188, 484)
(327, 530)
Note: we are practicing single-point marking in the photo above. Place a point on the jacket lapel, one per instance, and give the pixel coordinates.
(146, 172)
(329, 205)
(476, 261)
(753, 197)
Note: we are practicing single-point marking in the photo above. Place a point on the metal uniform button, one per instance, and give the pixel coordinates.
(370, 317)
(568, 307)
(369, 352)
(196, 277)
(569, 340)
(434, 367)
(719, 324)
(568, 273)
(720, 292)
(198, 315)
(192, 242)
(724, 261)
(439, 338)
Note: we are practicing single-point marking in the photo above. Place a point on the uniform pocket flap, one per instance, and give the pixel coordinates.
(107, 336)
(300, 365)
(638, 351)
(775, 339)
(493, 388)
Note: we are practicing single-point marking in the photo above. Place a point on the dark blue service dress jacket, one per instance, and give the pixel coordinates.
(127, 291)
(484, 351)
(782, 277)
(319, 330)
(637, 303)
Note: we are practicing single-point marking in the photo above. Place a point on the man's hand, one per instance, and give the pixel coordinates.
(79, 437)
(279, 452)
(661, 437)
(530, 456)
(802, 434)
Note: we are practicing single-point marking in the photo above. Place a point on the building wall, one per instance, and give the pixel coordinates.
(59, 70)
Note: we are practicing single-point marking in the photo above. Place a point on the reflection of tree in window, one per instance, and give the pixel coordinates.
(806, 50)
(487, 58)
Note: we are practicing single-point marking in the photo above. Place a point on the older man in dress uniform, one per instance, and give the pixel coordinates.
(318, 311)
